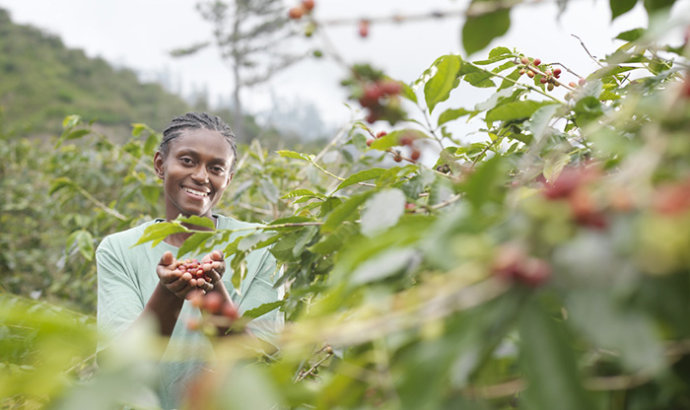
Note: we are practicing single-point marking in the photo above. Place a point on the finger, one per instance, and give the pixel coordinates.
(167, 259)
(178, 286)
(216, 255)
(219, 267)
(168, 276)
(214, 275)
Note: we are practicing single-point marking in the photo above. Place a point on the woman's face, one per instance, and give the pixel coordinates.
(195, 172)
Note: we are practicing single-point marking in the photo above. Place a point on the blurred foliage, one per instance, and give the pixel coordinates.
(544, 267)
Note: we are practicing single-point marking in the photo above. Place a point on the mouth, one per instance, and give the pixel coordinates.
(196, 193)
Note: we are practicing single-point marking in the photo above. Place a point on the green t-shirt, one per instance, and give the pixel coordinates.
(127, 278)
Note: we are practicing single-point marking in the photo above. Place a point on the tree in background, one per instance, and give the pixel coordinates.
(251, 37)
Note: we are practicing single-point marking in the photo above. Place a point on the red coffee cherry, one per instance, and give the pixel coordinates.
(397, 157)
(296, 12)
(213, 302)
(308, 5)
(536, 62)
(363, 28)
(415, 154)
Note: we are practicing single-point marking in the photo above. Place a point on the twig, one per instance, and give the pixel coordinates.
(587, 51)
(316, 365)
(474, 10)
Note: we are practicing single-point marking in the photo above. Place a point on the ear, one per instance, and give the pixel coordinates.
(158, 164)
(230, 178)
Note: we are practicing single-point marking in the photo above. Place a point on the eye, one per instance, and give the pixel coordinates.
(186, 160)
(218, 169)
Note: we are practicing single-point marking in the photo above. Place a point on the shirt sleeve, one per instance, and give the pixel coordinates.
(260, 290)
(119, 297)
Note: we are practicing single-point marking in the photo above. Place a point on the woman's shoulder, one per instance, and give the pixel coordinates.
(226, 222)
(128, 237)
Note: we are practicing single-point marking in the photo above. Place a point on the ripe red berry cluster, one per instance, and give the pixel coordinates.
(571, 185)
(305, 7)
(194, 268)
(214, 304)
(408, 140)
(550, 77)
(378, 95)
(511, 263)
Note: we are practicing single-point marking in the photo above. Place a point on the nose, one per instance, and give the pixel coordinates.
(200, 175)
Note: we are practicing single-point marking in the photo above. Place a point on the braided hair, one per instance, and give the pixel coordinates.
(196, 120)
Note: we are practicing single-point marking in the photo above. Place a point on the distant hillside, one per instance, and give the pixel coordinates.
(41, 81)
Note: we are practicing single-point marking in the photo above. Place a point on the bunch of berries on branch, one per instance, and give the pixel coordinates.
(378, 95)
(549, 78)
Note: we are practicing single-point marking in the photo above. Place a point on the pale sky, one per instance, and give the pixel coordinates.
(139, 33)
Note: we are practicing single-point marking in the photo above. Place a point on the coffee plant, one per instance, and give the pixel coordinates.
(544, 266)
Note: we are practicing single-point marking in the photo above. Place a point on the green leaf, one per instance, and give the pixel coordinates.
(307, 235)
(59, 183)
(382, 211)
(500, 52)
(151, 193)
(71, 121)
(392, 139)
(151, 143)
(288, 220)
(625, 331)
(383, 265)
(631, 35)
(539, 122)
(269, 190)
(653, 5)
(293, 155)
(476, 76)
(515, 110)
(193, 243)
(302, 192)
(485, 181)
(587, 109)
(408, 93)
(84, 241)
(477, 32)
(343, 211)
(159, 231)
(438, 88)
(138, 128)
(619, 7)
(452, 114)
(549, 363)
(262, 309)
(360, 176)
(198, 221)
(76, 134)
(335, 240)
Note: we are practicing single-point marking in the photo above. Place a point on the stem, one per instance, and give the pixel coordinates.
(100, 204)
(528, 86)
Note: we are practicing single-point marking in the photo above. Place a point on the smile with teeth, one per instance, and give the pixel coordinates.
(195, 192)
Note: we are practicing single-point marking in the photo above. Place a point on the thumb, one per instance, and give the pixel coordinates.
(217, 255)
(167, 259)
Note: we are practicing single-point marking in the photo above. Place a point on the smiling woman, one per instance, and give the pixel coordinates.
(195, 161)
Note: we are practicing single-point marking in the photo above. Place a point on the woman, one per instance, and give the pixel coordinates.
(195, 161)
